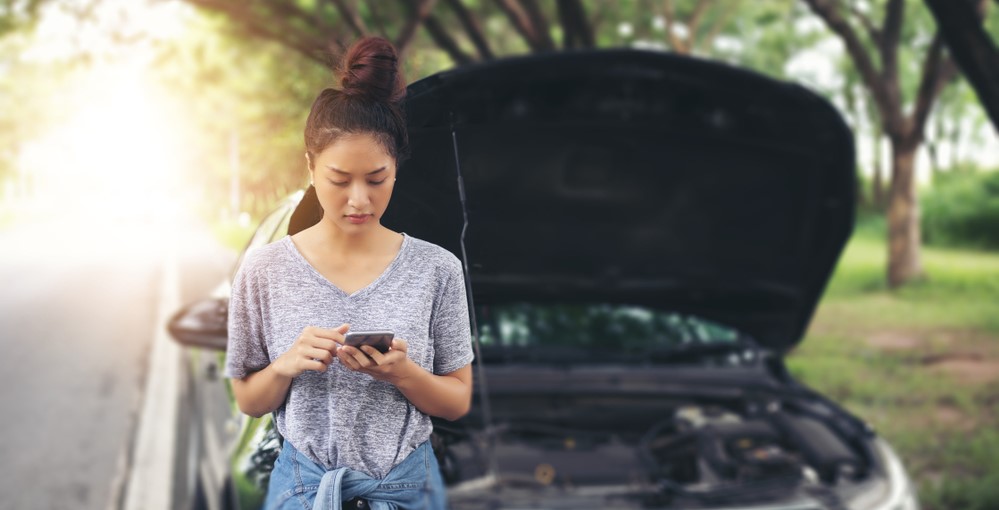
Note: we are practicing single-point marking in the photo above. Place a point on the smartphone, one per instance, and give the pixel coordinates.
(380, 340)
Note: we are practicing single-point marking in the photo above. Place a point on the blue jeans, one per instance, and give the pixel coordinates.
(299, 483)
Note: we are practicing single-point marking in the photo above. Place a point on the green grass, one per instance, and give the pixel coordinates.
(878, 353)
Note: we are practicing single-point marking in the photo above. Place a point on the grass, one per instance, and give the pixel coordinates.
(921, 363)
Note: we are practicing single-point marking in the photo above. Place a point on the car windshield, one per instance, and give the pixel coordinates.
(604, 332)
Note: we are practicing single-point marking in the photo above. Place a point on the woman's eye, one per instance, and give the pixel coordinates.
(376, 183)
(338, 183)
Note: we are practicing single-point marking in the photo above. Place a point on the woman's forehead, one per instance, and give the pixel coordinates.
(356, 154)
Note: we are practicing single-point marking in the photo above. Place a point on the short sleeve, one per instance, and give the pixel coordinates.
(246, 350)
(450, 330)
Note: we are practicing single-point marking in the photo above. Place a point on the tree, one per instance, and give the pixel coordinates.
(15, 15)
(877, 61)
(321, 30)
(961, 24)
(695, 30)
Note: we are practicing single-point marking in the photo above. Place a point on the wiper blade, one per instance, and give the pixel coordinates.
(737, 351)
(538, 354)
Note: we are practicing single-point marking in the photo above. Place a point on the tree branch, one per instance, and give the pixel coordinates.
(379, 20)
(352, 17)
(960, 25)
(520, 22)
(891, 33)
(444, 40)
(572, 16)
(695, 19)
(826, 9)
(288, 10)
(472, 28)
(719, 23)
(312, 46)
(418, 12)
(938, 71)
(865, 20)
(540, 24)
(674, 41)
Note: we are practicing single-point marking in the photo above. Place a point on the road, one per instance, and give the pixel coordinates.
(78, 304)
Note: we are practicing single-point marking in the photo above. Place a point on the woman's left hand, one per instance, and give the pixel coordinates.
(389, 367)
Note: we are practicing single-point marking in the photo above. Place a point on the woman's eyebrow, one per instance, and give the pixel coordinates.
(337, 170)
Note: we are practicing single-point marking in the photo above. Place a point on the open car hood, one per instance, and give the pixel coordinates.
(633, 177)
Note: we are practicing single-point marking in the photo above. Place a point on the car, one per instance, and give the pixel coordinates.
(645, 237)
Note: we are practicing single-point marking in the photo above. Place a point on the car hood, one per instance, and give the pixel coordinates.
(635, 177)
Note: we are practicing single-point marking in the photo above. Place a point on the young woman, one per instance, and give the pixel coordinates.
(355, 421)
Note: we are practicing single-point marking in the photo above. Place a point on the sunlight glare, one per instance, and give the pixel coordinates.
(116, 157)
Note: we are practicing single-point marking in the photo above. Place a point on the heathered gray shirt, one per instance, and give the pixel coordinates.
(340, 417)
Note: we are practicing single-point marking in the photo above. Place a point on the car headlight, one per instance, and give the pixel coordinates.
(898, 492)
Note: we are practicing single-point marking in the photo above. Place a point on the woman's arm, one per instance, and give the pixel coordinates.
(261, 392)
(447, 396)
(265, 390)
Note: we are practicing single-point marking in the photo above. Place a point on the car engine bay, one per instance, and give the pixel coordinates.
(701, 455)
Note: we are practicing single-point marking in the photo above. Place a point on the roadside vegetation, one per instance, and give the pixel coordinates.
(232, 233)
(920, 364)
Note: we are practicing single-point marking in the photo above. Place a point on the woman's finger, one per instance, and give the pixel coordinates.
(314, 365)
(356, 358)
(320, 354)
(347, 360)
(324, 343)
(399, 344)
(376, 356)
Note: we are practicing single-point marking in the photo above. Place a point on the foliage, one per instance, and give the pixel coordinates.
(247, 96)
(31, 101)
(17, 14)
(962, 209)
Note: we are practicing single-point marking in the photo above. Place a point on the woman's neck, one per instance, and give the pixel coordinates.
(335, 241)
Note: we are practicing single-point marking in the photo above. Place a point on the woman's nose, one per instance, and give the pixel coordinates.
(358, 196)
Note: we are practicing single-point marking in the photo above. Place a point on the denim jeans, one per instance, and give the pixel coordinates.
(299, 483)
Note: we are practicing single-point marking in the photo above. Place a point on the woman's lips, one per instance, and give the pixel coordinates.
(358, 218)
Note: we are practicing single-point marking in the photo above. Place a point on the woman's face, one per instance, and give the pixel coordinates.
(354, 178)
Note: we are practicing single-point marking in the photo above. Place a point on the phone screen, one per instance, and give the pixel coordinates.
(380, 340)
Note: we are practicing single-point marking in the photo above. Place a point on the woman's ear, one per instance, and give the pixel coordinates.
(309, 168)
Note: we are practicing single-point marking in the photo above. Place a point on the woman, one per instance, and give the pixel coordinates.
(355, 422)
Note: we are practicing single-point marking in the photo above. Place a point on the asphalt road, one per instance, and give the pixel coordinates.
(78, 301)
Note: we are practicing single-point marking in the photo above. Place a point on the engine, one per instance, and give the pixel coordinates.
(701, 454)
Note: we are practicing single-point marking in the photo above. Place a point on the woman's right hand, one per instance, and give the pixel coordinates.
(313, 350)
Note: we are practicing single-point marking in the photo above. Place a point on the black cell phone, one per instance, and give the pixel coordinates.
(380, 340)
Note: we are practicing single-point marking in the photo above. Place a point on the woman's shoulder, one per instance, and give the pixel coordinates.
(261, 258)
(430, 254)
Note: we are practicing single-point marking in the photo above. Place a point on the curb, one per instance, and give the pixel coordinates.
(148, 471)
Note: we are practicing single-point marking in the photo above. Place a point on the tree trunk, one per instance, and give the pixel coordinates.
(879, 183)
(903, 217)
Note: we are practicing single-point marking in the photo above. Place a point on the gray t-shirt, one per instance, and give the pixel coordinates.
(340, 417)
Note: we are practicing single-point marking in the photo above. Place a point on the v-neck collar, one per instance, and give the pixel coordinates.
(297, 255)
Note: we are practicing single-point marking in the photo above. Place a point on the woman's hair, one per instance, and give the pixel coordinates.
(369, 101)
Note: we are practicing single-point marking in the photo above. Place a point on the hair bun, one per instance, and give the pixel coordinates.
(370, 70)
